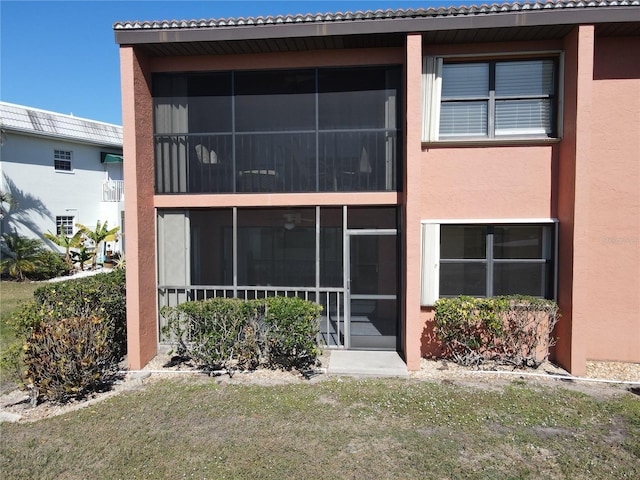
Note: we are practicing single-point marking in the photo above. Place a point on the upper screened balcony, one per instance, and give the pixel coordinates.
(305, 130)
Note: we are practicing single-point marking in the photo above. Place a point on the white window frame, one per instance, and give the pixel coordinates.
(63, 156)
(65, 221)
(432, 100)
(430, 252)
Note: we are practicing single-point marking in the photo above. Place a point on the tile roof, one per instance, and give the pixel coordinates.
(369, 15)
(41, 122)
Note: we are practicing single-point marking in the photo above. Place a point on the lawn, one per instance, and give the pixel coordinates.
(11, 295)
(336, 428)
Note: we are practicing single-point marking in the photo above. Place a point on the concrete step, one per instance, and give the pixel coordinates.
(366, 363)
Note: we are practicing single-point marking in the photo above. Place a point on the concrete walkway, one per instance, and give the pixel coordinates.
(370, 363)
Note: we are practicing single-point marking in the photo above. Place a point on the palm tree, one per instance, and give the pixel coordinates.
(67, 243)
(22, 255)
(7, 202)
(97, 236)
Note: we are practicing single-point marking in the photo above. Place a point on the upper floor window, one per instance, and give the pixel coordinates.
(490, 99)
(64, 225)
(300, 130)
(62, 160)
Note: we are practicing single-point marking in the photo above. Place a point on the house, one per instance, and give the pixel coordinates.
(60, 170)
(376, 161)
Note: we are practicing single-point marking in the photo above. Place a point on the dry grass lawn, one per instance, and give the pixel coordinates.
(198, 427)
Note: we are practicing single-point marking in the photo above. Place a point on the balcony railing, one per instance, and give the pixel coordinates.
(277, 162)
(331, 322)
(112, 190)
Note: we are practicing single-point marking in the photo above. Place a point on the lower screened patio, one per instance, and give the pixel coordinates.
(345, 258)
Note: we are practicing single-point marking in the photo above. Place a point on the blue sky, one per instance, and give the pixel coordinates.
(62, 56)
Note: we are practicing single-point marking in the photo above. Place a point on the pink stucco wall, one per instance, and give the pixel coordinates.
(588, 180)
(490, 180)
(142, 336)
(413, 187)
(612, 240)
(573, 212)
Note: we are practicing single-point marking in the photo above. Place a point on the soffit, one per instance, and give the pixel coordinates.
(516, 21)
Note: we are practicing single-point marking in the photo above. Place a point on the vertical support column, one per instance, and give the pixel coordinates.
(137, 108)
(412, 188)
(573, 200)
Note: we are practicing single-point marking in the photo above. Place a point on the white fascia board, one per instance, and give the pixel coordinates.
(451, 221)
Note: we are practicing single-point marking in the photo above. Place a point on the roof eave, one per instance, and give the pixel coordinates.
(530, 18)
(68, 138)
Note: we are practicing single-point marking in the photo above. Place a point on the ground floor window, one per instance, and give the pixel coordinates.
(64, 225)
(485, 260)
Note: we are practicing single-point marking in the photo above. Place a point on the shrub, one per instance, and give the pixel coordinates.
(228, 333)
(20, 255)
(511, 329)
(50, 265)
(102, 295)
(292, 331)
(88, 314)
(209, 331)
(69, 358)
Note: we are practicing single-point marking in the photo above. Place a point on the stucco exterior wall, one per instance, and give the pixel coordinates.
(612, 329)
(488, 182)
(491, 180)
(414, 185)
(42, 193)
(588, 180)
(142, 320)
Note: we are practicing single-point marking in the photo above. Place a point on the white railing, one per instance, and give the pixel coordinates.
(331, 321)
(112, 190)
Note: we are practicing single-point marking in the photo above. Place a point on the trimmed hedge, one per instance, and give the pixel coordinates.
(512, 329)
(232, 334)
(102, 295)
(70, 337)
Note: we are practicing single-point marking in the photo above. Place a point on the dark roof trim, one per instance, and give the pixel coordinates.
(404, 21)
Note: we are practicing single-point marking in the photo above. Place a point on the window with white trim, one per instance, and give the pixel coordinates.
(62, 160)
(490, 99)
(485, 260)
(64, 224)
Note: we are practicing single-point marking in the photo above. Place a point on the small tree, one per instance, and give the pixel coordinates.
(82, 256)
(7, 202)
(67, 243)
(22, 255)
(97, 236)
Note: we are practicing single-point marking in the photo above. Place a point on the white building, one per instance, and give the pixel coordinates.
(60, 170)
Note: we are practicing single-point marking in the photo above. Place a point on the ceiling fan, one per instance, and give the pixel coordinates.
(291, 220)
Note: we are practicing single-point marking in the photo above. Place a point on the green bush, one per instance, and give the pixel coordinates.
(96, 307)
(102, 295)
(69, 358)
(50, 265)
(228, 333)
(19, 256)
(291, 331)
(210, 332)
(510, 329)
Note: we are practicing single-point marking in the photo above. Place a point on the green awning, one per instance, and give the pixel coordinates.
(110, 158)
